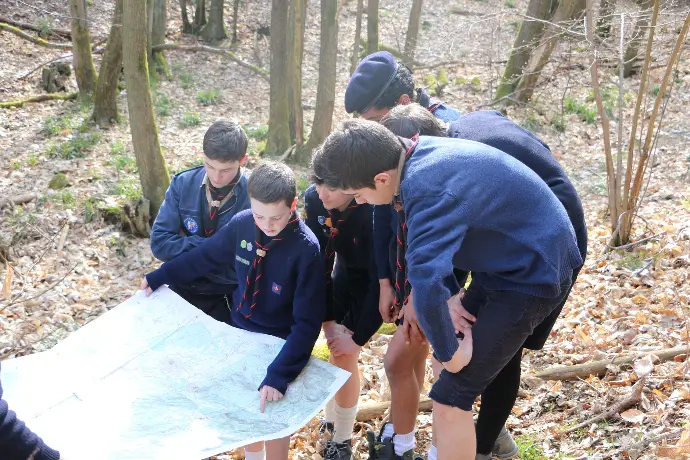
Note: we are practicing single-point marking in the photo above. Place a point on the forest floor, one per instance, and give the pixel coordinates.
(71, 263)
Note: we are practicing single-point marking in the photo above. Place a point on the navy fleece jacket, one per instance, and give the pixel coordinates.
(472, 207)
(17, 442)
(291, 302)
(355, 269)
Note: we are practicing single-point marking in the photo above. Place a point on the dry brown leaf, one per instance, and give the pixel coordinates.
(633, 416)
(7, 284)
(643, 366)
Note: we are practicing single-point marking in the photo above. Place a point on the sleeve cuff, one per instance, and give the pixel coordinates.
(155, 279)
(275, 382)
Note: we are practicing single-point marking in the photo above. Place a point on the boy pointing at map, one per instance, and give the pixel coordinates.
(281, 281)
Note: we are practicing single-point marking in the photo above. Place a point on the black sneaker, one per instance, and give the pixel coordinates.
(380, 449)
(339, 450)
(326, 430)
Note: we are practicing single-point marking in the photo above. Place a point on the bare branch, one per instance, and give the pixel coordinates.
(23, 25)
(32, 39)
(41, 98)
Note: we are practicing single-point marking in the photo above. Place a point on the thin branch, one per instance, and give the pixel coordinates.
(51, 13)
(63, 56)
(635, 243)
(32, 39)
(23, 25)
(619, 122)
(208, 49)
(41, 98)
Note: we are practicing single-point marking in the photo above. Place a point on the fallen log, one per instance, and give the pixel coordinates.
(584, 370)
(38, 41)
(19, 199)
(50, 30)
(41, 98)
(372, 410)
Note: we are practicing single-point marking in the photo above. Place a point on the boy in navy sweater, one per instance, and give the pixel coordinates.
(465, 205)
(344, 230)
(492, 128)
(199, 202)
(378, 84)
(282, 290)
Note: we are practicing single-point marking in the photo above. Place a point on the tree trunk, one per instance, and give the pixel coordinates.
(567, 11)
(214, 30)
(633, 50)
(358, 37)
(105, 99)
(82, 61)
(150, 162)
(526, 40)
(606, 10)
(187, 27)
(298, 12)
(158, 27)
(413, 30)
(235, 10)
(372, 26)
(325, 91)
(279, 116)
(199, 15)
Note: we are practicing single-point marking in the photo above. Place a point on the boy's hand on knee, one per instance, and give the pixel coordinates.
(342, 344)
(410, 327)
(463, 354)
(387, 301)
(267, 393)
(145, 287)
(461, 317)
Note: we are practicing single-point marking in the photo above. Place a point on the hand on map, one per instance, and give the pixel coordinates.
(461, 317)
(145, 287)
(387, 301)
(342, 344)
(267, 393)
(463, 354)
(412, 332)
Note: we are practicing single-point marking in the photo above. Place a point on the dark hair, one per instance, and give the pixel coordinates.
(408, 120)
(351, 156)
(402, 83)
(272, 182)
(225, 141)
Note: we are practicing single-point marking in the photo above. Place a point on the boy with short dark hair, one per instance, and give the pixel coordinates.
(198, 203)
(344, 230)
(492, 128)
(466, 205)
(282, 290)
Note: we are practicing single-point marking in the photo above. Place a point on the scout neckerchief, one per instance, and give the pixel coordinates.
(256, 268)
(402, 285)
(336, 218)
(216, 198)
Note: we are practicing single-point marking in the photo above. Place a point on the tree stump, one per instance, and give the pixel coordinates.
(54, 77)
(136, 217)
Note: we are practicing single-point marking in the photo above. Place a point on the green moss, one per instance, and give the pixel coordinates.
(321, 351)
(58, 181)
(387, 328)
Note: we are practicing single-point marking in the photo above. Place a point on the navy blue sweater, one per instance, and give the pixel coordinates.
(291, 301)
(355, 268)
(492, 128)
(17, 442)
(472, 207)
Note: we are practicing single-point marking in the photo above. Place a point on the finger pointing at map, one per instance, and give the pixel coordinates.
(268, 394)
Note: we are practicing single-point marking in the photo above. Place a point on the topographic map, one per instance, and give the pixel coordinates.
(156, 378)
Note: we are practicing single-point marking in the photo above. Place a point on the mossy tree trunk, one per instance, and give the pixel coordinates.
(215, 30)
(298, 12)
(325, 91)
(105, 99)
(527, 39)
(235, 12)
(372, 26)
(358, 37)
(279, 116)
(413, 30)
(150, 162)
(84, 70)
(187, 27)
(158, 28)
(199, 15)
(632, 51)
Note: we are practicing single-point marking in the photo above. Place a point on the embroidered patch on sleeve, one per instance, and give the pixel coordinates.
(191, 225)
(276, 288)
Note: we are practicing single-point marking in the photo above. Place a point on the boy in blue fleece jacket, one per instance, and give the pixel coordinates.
(344, 230)
(199, 202)
(378, 84)
(464, 205)
(492, 128)
(282, 292)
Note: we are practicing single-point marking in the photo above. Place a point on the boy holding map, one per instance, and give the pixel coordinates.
(281, 289)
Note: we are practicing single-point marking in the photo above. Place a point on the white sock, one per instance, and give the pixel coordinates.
(403, 443)
(432, 452)
(344, 422)
(330, 411)
(260, 455)
(388, 431)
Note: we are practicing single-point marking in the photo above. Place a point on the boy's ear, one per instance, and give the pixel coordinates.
(383, 178)
(294, 205)
(404, 99)
(244, 158)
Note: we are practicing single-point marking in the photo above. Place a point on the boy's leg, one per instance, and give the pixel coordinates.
(455, 433)
(344, 407)
(256, 451)
(278, 449)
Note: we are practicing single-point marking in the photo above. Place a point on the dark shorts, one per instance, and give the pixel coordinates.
(347, 305)
(217, 306)
(505, 320)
